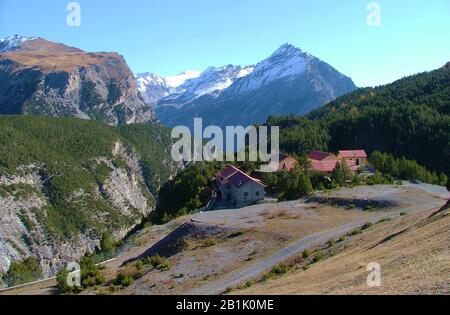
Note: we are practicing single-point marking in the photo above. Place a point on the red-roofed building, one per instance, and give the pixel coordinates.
(287, 163)
(355, 158)
(322, 156)
(238, 188)
(324, 166)
(326, 162)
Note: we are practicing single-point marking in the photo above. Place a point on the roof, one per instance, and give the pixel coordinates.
(236, 177)
(330, 166)
(352, 154)
(323, 166)
(229, 170)
(288, 163)
(319, 155)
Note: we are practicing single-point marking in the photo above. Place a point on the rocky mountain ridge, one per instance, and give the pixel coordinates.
(39, 77)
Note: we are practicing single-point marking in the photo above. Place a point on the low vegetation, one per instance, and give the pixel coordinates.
(367, 226)
(276, 271)
(158, 262)
(21, 272)
(123, 280)
(405, 169)
(192, 188)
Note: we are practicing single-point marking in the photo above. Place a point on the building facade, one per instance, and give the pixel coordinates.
(237, 188)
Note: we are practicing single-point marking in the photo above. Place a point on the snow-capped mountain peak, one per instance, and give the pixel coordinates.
(285, 74)
(287, 49)
(11, 43)
(286, 61)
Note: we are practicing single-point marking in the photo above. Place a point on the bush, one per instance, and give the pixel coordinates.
(341, 174)
(155, 261)
(318, 257)
(384, 220)
(369, 208)
(209, 242)
(164, 266)
(139, 265)
(124, 280)
(342, 238)
(354, 232)
(331, 243)
(403, 213)
(99, 279)
(61, 280)
(366, 226)
(90, 276)
(306, 254)
(293, 185)
(280, 269)
(22, 272)
(276, 271)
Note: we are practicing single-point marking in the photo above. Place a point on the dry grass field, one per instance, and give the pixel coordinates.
(413, 252)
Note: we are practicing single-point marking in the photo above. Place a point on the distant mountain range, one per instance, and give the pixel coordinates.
(40, 77)
(290, 81)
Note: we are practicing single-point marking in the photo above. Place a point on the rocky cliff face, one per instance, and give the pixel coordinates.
(25, 219)
(39, 77)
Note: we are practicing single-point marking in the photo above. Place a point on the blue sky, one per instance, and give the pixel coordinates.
(169, 36)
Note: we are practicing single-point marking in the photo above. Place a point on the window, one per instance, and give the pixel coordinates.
(246, 194)
(257, 194)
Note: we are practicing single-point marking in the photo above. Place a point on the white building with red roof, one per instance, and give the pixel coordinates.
(238, 188)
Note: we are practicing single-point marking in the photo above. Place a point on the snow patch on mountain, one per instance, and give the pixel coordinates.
(177, 80)
(213, 80)
(189, 84)
(152, 87)
(11, 43)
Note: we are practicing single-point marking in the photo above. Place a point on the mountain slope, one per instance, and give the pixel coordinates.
(39, 77)
(66, 182)
(187, 86)
(410, 117)
(288, 82)
(412, 250)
